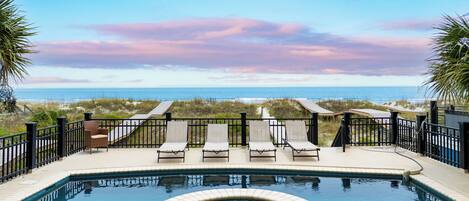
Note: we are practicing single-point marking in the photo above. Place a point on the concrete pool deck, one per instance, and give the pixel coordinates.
(450, 181)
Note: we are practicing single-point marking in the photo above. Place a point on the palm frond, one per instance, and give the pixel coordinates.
(14, 43)
(449, 68)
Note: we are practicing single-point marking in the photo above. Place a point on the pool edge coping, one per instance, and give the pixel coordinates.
(420, 179)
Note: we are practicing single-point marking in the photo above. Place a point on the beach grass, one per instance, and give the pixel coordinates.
(46, 113)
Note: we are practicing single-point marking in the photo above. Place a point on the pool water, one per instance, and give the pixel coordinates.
(161, 187)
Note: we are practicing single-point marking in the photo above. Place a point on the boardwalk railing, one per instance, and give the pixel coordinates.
(445, 144)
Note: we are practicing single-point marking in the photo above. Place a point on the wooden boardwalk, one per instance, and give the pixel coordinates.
(127, 127)
(315, 108)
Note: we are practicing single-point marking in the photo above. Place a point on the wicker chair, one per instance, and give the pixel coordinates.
(95, 137)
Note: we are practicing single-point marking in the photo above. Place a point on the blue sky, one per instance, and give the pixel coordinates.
(110, 43)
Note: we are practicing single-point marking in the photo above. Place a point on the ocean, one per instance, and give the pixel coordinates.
(374, 94)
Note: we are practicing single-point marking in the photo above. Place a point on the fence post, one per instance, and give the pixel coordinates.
(421, 139)
(88, 116)
(433, 112)
(395, 126)
(61, 123)
(314, 129)
(464, 145)
(345, 130)
(168, 116)
(31, 129)
(243, 129)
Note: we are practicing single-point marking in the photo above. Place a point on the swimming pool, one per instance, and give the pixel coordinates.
(157, 186)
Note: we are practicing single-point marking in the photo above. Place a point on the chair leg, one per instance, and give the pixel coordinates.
(293, 154)
(203, 156)
(275, 155)
(158, 159)
(228, 156)
(184, 157)
(249, 155)
(317, 152)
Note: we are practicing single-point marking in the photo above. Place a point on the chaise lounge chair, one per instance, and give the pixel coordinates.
(260, 141)
(176, 140)
(217, 141)
(297, 139)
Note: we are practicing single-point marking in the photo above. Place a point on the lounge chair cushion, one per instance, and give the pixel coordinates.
(98, 136)
(215, 146)
(303, 146)
(259, 131)
(176, 131)
(173, 147)
(296, 131)
(261, 146)
(217, 133)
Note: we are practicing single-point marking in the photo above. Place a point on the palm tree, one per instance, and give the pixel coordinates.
(449, 69)
(14, 45)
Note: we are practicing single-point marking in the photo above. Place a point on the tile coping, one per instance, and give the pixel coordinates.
(236, 193)
(320, 169)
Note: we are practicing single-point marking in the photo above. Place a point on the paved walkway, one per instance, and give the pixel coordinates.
(448, 180)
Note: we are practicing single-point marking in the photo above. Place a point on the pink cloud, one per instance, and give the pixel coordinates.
(237, 45)
(411, 24)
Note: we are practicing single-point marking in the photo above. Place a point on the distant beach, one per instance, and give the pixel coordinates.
(245, 94)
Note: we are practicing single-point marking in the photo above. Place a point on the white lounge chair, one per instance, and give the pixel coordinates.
(217, 141)
(297, 139)
(176, 140)
(260, 141)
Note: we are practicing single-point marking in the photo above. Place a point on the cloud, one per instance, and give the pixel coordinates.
(409, 25)
(236, 45)
(50, 80)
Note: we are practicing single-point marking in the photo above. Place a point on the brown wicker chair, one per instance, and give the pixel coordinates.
(95, 137)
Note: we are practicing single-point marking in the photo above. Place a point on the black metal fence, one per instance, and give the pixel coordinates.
(135, 133)
(408, 135)
(370, 131)
(23, 152)
(13, 152)
(442, 143)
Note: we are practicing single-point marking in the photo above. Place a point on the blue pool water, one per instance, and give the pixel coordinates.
(157, 187)
(375, 94)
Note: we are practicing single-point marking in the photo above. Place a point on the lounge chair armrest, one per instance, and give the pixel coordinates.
(103, 131)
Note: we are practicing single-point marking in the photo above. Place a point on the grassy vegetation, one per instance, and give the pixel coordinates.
(209, 108)
(46, 113)
(284, 108)
(328, 126)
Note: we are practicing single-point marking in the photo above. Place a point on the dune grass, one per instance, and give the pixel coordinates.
(210, 108)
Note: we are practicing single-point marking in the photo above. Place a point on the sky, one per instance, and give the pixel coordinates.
(232, 43)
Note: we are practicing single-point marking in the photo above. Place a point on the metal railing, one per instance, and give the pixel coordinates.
(13, 156)
(135, 133)
(46, 145)
(34, 148)
(408, 135)
(441, 143)
(366, 131)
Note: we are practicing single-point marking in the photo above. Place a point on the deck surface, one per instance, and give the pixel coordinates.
(449, 180)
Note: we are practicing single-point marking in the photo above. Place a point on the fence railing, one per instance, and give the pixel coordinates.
(46, 145)
(442, 143)
(408, 135)
(127, 133)
(366, 131)
(23, 152)
(13, 155)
